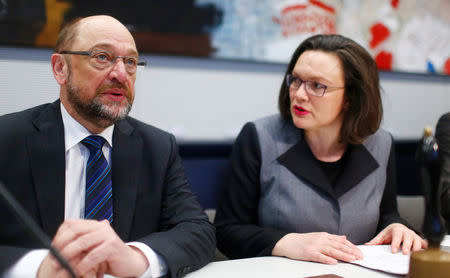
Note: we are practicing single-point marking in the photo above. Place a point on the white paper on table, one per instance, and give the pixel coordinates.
(445, 244)
(380, 257)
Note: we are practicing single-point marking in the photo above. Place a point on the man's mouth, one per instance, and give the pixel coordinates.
(115, 94)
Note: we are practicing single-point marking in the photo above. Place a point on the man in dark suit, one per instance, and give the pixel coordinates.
(443, 140)
(47, 163)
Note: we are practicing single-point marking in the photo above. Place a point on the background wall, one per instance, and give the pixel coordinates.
(210, 100)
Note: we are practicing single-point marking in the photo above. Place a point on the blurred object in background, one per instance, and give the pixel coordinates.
(430, 173)
(169, 26)
(21, 21)
(431, 262)
(443, 140)
(401, 35)
(297, 21)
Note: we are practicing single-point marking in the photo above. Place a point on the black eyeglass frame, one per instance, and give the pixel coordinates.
(139, 61)
(290, 78)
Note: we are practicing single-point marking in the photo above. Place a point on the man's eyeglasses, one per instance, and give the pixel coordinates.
(103, 59)
(311, 87)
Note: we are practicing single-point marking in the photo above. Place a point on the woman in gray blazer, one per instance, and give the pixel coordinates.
(318, 178)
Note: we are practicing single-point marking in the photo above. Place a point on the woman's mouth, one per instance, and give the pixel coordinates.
(300, 111)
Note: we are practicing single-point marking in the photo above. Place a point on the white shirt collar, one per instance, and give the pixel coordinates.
(74, 132)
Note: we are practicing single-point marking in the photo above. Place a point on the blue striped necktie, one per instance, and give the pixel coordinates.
(98, 202)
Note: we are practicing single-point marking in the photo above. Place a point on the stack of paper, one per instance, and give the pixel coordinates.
(380, 257)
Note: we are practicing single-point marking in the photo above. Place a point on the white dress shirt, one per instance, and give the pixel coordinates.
(76, 152)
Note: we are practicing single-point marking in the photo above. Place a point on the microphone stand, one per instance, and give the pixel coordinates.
(32, 227)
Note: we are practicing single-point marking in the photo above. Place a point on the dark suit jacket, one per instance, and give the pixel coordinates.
(152, 200)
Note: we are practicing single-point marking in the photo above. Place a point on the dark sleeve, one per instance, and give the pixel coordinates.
(445, 195)
(186, 239)
(388, 207)
(15, 241)
(237, 230)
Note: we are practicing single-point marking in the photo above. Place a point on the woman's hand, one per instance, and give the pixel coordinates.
(317, 247)
(398, 234)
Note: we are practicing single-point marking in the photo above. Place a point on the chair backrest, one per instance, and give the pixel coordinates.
(206, 165)
(412, 209)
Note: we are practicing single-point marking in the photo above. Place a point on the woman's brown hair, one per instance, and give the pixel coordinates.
(362, 86)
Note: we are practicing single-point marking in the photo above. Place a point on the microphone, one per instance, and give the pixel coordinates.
(34, 230)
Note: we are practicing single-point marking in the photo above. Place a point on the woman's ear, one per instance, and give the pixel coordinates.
(60, 68)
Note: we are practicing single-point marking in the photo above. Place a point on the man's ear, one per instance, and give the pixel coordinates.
(60, 68)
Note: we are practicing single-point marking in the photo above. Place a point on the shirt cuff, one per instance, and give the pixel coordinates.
(28, 265)
(157, 265)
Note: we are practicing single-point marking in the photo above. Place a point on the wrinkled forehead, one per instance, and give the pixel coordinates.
(106, 33)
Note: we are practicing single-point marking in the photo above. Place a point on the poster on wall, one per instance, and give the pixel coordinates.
(401, 35)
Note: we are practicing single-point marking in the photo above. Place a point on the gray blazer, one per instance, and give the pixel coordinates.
(276, 186)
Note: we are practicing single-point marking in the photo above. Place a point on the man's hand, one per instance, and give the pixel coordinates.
(317, 247)
(398, 234)
(50, 267)
(92, 248)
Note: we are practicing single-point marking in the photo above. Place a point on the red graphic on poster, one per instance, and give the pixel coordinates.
(379, 34)
(384, 60)
(394, 3)
(447, 66)
(313, 17)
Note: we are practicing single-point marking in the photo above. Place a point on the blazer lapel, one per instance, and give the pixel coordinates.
(301, 162)
(359, 165)
(47, 159)
(126, 169)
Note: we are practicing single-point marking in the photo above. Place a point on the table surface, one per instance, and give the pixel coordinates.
(265, 267)
(269, 267)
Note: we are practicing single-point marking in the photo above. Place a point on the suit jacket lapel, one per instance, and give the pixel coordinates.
(126, 169)
(47, 159)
